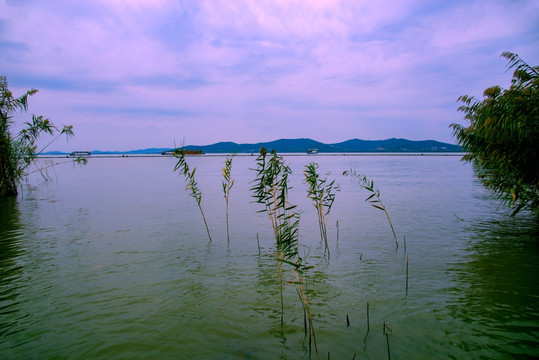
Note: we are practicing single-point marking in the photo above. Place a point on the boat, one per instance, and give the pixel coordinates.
(80, 153)
(185, 152)
(312, 151)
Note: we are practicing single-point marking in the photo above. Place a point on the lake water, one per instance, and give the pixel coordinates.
(112, 261)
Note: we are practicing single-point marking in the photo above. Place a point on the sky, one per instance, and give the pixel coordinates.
(155, 73)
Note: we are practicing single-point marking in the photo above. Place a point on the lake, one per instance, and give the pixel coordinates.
(112, 261)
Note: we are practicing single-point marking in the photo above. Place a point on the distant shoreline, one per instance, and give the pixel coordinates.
(105, 156)
(300, 146)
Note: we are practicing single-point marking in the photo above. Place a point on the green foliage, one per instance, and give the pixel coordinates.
(19, 151)
(191, 185)
(502, 138)
(374, 198)
(323, 195)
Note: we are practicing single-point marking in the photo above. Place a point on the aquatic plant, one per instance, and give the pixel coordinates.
(323, 195)
(299, 268)
(271, 189)
(387, 331)
(191, 185)
(374, 197)
(227, 183)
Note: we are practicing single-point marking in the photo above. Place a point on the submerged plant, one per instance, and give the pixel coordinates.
(323, 195)
(374, 197)
(227, 183)
(191, 185)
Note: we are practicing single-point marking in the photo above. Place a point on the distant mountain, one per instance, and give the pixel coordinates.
(395, 145)
(282, 145)
(133, 152)
(302, 145)
(354, 145)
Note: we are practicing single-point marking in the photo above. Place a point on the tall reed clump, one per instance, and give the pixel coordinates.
(323, 195)
(271, 190)
(374, 197)
(227, 183)
(191, 185)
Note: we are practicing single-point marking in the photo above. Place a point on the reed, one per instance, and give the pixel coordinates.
(191, 185)
(322, 195)
(387, 331)
(368, 329)
(406, 275)
(299, 267)
(271, 190)
(227, 183)
(374, 198)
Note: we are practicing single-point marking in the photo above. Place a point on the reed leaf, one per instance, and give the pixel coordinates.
(375, 193)
(191, 185)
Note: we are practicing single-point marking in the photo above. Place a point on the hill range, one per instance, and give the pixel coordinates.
(303, 145)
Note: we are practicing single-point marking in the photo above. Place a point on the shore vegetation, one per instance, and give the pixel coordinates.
(502, 136)
(19, 150)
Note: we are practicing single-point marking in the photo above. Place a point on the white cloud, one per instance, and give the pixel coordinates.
(392, 68)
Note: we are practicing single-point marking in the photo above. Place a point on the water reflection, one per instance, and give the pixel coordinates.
(498, 287)
(11, 271)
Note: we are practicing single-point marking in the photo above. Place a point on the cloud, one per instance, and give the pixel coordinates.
(243, 70)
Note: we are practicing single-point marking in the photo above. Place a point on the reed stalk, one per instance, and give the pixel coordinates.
(367, 332)
(387, 331)
(374, 199)
(322, 195)
(406, 274)
(299, 270)
(191, 185)
(227, 183)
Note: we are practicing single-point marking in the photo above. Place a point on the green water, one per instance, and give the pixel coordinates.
(112, 261)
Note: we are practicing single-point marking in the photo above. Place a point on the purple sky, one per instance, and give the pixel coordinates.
(134, 74)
